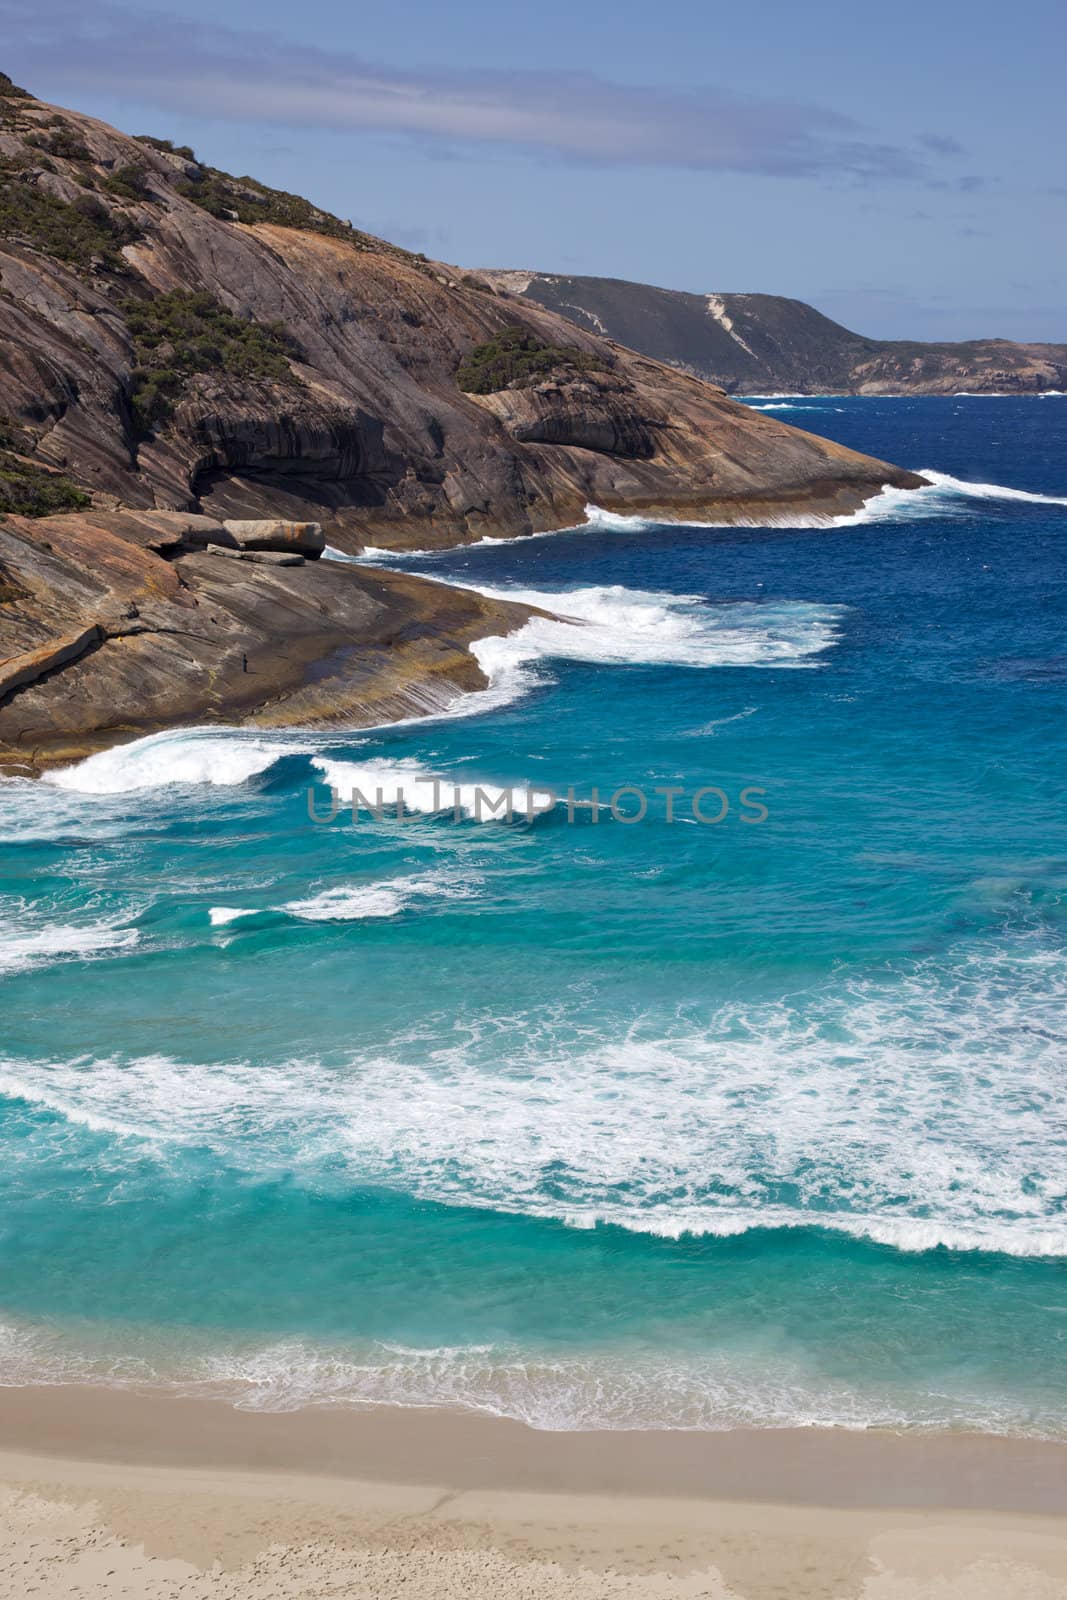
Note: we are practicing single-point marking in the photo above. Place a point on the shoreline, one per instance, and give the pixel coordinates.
(106, 1493)
(364, 646)
(412, 1446)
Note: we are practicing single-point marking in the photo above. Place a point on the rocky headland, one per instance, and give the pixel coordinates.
(184, 354)
(766, 343)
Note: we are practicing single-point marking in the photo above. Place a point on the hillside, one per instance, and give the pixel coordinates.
(761, 343)
(204, 379)
(171, 336)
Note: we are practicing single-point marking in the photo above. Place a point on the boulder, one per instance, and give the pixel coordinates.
(291, 538)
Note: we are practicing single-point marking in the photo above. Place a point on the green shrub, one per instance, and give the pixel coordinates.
(177, 336)
(79, 233)
(12, 437)
(250, 201)
(516, 358)
(128, 182)
(183, 150)
(11, 98)
(29, 491)
(64, 144)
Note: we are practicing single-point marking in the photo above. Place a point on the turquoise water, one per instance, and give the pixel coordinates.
(581, 1120)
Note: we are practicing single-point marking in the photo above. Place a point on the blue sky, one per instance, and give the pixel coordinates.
(901, 167)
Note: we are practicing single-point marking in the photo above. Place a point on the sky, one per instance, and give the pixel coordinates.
(899, 166)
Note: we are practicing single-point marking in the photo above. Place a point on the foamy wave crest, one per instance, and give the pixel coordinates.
(943, 496)
(224, 756)
(556, 1391)
(791, 405)
(26, 942)
(920, 1108)
(359, 902)
(356, 902)
(220, 916)
(425, 792)
(614, 626)
(368, 556)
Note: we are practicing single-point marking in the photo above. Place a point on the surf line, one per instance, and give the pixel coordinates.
(629, 803)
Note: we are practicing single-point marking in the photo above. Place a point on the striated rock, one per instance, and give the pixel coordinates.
(591, 413)
(266, 558)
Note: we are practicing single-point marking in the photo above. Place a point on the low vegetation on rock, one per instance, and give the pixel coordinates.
(179, 336)
(30, 491)
(186, 151)
(515, 358)
(83, 232)
(128, 182)
(246, 200)
(10, 96)
(61, 141)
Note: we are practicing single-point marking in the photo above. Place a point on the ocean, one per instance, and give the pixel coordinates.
(742, 1104)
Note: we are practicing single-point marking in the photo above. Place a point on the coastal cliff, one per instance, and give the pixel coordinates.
(176, 338)
(765, 343)
(184, 351)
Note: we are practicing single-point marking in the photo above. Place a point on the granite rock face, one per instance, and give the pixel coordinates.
(366, 432)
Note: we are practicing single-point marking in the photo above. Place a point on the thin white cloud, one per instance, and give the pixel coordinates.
(164, 60)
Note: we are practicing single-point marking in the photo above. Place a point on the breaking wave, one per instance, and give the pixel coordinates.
(220, 756)
(359, 902)
(868, 1107)
(610, 625)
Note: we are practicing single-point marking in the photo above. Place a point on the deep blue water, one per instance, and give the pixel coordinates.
(574, 1118)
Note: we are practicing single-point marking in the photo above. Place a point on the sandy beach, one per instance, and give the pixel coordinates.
(110, 1493)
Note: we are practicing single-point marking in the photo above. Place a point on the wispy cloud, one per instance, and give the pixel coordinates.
(166, 61)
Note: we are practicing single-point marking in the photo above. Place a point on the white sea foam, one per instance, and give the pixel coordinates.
(921, 1108)
(792, 405)
(219, 916)
(386, 898)
(26, 941)
(425, 792)
(946, 484)
(559, 1391)
(369, 554)
(223, 756)
(943, 496)
(359, 902)
(613, 626)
